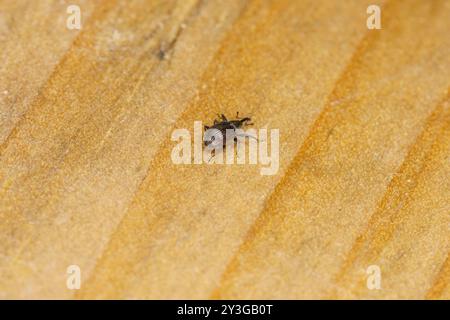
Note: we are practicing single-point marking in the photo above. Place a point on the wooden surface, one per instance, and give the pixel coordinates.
(86, 176)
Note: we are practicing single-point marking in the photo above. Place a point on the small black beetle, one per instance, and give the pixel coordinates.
(216, 134)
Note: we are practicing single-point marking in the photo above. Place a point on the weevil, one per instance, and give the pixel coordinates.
(215, 135)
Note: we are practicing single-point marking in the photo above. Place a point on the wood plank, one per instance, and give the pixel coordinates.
(86, 175)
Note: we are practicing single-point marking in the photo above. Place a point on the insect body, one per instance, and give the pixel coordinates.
(216, 135)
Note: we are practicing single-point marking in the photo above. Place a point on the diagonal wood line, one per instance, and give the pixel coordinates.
(261, 221)
(136, 70)
(183, 113)
(304, 149)
(133, 70)
(406, 177)
(100, 10)
(132, 199)
(440, 282)
(445, 269)
(192, 13)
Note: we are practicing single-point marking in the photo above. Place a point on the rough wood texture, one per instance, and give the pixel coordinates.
(86, 176)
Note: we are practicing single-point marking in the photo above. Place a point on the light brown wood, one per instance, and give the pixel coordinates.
(86, 176)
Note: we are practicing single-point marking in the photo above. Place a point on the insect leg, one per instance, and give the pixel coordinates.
(213, 154)
(246, 120)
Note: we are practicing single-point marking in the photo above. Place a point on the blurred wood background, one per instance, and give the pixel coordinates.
(86, 176)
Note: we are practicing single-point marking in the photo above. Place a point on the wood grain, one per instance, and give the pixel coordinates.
(86, 176)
